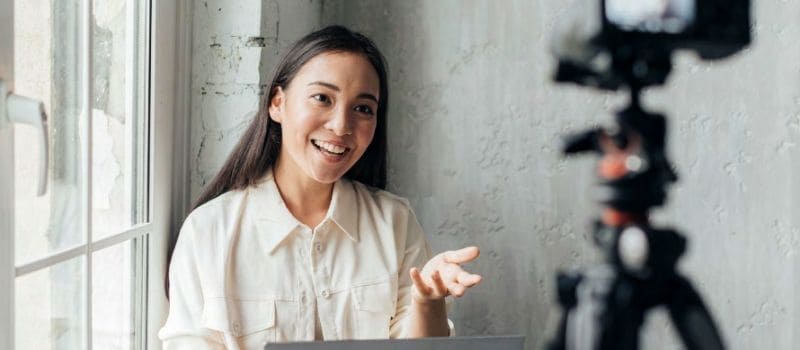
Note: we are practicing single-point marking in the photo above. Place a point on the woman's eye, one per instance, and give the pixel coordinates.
(321, 98)
(364, 109)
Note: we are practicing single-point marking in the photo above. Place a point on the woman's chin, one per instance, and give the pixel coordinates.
(328, 176)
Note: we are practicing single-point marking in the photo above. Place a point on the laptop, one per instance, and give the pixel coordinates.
(506, 342)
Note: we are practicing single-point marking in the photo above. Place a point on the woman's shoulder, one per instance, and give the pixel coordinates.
(380, 198)
(215, 212)
(387, 210)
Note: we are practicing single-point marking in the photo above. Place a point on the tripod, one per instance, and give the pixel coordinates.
(605, 305)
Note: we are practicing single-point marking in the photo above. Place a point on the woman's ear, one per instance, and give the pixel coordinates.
(276, 105)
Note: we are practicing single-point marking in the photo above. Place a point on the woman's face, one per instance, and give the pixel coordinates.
(328, 114)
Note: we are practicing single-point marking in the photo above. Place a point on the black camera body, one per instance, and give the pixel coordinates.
(630, 42)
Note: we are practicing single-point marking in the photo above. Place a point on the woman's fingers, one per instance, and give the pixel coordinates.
(435, 288)
(416, 277)
(461, 281)
(468, 279)
(456, 289)
(455, 273)
(444, 276)
(438, 283)
(462, 256)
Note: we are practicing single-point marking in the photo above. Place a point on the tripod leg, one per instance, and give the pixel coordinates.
(559, 341)
(566, 284)
(623, 317)
(608, 314)
(691, 318)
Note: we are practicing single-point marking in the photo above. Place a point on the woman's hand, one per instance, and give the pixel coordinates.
(443, 276)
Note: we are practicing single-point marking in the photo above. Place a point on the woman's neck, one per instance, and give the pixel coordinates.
(307, 199)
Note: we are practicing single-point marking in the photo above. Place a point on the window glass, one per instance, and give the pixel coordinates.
(50, 308)
(47, 61)
(119, 171)
(112, 307)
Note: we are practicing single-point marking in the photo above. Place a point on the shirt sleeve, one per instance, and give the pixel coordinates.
(416, 252)
(183, 328)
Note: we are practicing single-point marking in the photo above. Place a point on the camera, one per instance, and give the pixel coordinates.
(613, 44)
(610, 44)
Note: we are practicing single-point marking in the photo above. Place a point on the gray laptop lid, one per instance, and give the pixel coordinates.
(513, 342)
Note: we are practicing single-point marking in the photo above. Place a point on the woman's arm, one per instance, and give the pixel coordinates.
(441, 276)
(421, 307)
(428, 319)
(182, 329)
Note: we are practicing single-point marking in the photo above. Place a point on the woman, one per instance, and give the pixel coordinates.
(295, 239)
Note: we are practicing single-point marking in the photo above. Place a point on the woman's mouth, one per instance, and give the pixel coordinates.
(329, 149)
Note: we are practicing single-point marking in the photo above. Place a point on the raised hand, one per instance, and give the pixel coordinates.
(443, 275)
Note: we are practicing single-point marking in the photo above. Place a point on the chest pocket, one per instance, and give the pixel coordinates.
(250, 322)
(375, 305)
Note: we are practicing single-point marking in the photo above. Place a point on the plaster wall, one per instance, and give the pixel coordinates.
(235, 46)
(474, 125)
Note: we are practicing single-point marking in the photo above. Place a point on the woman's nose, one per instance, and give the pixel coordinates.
(339, 123)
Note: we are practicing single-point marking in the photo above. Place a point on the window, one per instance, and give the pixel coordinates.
(83, 194)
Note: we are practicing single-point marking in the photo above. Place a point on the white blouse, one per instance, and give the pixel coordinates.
(245, 272)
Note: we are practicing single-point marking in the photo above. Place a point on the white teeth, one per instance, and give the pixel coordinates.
(329, 147)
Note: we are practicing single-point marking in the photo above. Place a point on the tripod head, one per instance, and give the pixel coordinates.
(634, 170)
(613, 44)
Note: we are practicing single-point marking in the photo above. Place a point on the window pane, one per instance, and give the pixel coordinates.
(112, 285)
(50, 309)
(47, 61)
(119, 120)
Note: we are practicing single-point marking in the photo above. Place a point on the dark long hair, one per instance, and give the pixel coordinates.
(259, 146)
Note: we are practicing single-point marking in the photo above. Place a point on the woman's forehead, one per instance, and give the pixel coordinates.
(345, 70)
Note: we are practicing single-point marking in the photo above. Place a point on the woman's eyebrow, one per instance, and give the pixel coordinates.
(337, 89)
(328, 85)
(368, 96)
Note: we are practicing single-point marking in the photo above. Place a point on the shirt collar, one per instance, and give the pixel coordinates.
(275, 222)
(344, 208)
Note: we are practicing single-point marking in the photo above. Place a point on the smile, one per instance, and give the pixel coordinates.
(329, 148)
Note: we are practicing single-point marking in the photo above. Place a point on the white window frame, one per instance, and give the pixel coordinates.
(170, 102)
(6, 187)
(170, 34)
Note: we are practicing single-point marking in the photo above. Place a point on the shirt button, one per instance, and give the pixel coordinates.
(326, 294)
(318, 247)
(236, 327)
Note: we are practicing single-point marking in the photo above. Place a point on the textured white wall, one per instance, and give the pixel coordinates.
(474, 130)
(236, 44)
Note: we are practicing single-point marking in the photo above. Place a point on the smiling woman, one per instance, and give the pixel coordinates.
(295, 238)
(328, 119)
